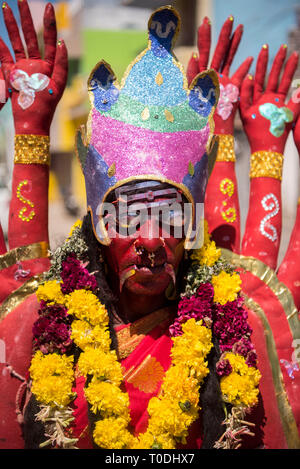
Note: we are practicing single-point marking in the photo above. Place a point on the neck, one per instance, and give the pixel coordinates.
(133, 307)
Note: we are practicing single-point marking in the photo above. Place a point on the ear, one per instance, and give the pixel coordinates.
(204, 93)
(103, 87)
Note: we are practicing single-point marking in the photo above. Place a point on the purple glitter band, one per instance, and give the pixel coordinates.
(166, 155)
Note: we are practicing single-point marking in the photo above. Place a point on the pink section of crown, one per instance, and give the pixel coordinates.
(137, 151)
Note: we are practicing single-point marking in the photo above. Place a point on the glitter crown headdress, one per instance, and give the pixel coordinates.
(151, 127)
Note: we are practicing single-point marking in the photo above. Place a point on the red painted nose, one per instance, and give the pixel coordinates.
(150, 236)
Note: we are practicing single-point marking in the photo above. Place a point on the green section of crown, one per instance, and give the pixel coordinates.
(156, 118)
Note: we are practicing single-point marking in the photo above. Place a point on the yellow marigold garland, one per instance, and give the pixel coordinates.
(226, 287)
(177, 406)
(52, 378)
(50, 292)
(240, 388)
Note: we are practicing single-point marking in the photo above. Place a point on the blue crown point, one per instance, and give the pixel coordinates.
(163, 27)
(203, 93)
(102, 83)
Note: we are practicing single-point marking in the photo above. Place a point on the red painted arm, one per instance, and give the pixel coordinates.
(289, 270)
(221, 203)
(267, 121)
(35, 86)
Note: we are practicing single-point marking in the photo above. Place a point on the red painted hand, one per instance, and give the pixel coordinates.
(35, 84)
(222, 59)
(266, 118)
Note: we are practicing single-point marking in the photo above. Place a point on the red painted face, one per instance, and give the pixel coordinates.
(146, 261)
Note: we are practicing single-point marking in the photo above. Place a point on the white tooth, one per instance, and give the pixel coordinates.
(129, 272)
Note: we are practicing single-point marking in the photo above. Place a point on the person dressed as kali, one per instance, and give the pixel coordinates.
(135, 334)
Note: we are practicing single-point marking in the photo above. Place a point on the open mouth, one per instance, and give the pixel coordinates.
(147, 271)
(151, 270)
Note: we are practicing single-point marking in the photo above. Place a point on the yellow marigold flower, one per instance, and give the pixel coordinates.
(148, 441)
(226, 287)
(209, 254)
(240, 390)
(179, 386)
(111, 433)
(85, 335)
(238, 363)
(192, 347)
(52, 378)
(107, 399)
(101, 364)
(78, 223)
(166, 416)
(241, 386)
(50, 292)
(83, 304)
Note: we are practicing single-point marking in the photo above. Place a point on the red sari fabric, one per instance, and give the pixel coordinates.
(145, 357)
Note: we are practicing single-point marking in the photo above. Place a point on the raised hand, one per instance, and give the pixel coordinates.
(267, 120)
(221, 202)
(35, 85)
(224, 53)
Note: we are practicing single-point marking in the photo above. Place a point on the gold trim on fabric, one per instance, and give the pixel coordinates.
(17, 296)
(24, 253)
(286, 414)
(32, 149)
(269, 277)
(226, 148)
(130, 337)
(146, 375)
(266, 164)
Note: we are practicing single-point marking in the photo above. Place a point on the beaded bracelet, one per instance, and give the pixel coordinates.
(226, 148)
(266, 164)
(32, 149)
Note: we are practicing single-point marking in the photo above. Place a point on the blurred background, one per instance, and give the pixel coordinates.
(115, 30)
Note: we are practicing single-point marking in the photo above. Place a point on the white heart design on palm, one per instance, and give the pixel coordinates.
(28, 86)
(228, 94)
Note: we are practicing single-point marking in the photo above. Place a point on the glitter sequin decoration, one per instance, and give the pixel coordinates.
(278, 117)
(226, 148)
(152, 125)
(22, 199)
(273, 208)
(32, 149)
(266, 164)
